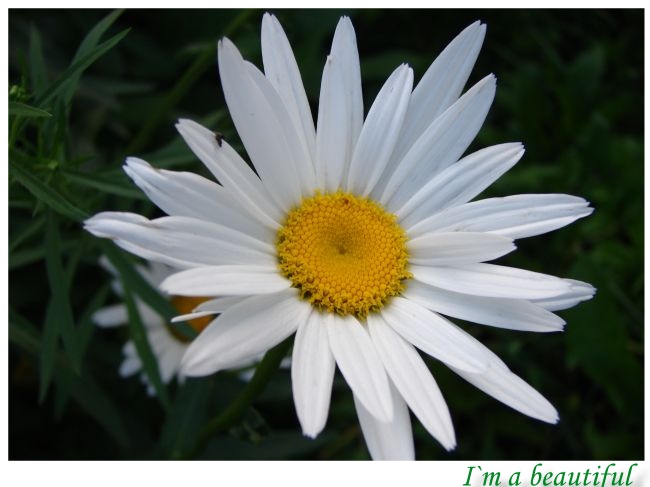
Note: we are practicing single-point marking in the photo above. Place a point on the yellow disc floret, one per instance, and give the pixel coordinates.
(344, 253)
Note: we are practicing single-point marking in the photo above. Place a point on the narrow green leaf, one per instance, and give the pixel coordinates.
(85, 333)
(29, 230)
(92, 399)
(86, 48)
(59, 288)
(142, 345)
(186, 416)
(33, 254)
(17, 108)
(77, 68)
(203, 62)
(97, 404)
(37, 72)
(142, 288)
(43, 192)
(105, 184)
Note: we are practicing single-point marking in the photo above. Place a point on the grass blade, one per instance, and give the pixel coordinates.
(37, 72)
(106, 184)
(142, 345)
(86, 48)
(61, 308)
(92, 399)
(24, 110)
(203, 62)
(77, 68)
(185, 418)
(43, 192)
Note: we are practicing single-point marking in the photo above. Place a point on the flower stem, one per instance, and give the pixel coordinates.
(237, 409)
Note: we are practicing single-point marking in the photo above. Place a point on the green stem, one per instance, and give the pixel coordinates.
(237, 409)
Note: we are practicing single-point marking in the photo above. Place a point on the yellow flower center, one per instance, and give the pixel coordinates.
(344, 253)
(185, 305)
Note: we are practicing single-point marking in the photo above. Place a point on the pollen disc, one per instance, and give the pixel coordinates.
(344, 253)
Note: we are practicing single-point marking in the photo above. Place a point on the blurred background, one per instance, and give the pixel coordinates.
(88, 87)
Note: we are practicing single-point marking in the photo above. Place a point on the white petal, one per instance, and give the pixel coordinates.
(359, 363)
(441, 144)
(129, 366)
(340, 109)
(440, 86)
(180, 241)
(131, 363)
(231, 171)
(344, 49)
(260, 127)
(457, 248)
(513, 314)
(334, 142)
(219, 305)
(491, 281)
(578, 292)
(433, 335)
(460, 182)
(517, 216)
(191, 316)
(210, 307)
(511, 390)
(245, 331)
(392, 440)
(110, 316)
(301, 155)
(281, 70)
(188, 194)
(226, 280)
(380, 132)
(413, 380)
(312, 373)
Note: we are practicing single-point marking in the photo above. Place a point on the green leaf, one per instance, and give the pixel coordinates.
(92, 399)
(37, 72)
(61, 84)
(43, 192)
(142, 345)
(86, 48)
(59, 288)
(105, 184)
(98, 405)
(185, 418)
(29, 230)
(33, 254)
(203, 62)
(17, 108)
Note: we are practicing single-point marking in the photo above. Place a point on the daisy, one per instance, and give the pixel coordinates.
(356, 235)
(168, 345)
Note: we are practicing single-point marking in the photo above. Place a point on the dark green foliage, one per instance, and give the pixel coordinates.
(89, 87)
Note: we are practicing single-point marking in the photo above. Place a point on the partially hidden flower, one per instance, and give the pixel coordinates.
(167, 344)
(357, 235)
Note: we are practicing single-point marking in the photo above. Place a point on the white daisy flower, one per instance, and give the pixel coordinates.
(356, 235)
(168, 345)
